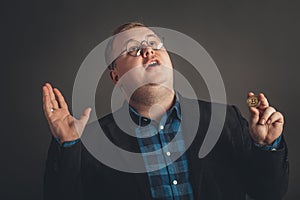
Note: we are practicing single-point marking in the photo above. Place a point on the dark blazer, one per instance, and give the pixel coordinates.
(235, 167)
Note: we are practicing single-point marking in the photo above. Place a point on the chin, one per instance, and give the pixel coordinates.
(154, 89)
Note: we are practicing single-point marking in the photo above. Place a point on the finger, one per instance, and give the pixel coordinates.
(47, 106)
(276, 118)
(60, 98)
(52, 96)
(250, 94)
(266, 115)
(263, 101)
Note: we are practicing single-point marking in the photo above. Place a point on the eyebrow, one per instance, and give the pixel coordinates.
(131, 39)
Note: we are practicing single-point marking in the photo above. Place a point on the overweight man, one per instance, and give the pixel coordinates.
(249, 157)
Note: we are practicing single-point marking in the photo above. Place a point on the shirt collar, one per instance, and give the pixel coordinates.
(174, 111)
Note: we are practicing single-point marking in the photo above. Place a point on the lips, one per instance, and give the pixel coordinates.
(152, 63)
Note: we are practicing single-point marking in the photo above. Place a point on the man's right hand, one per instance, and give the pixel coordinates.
(62, 125)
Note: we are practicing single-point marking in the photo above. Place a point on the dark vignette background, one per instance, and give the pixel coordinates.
(254, 43)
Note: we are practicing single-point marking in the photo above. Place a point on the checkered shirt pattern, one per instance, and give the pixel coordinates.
(169, 182)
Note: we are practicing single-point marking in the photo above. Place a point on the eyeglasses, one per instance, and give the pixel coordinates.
(134, 48)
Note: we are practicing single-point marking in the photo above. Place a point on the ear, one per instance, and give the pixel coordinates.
(114, 76)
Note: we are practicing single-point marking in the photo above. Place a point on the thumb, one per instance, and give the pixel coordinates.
(85, 116)
(81, 122)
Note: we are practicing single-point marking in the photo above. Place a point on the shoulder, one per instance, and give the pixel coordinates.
(106, 120)
(216, 117)
(207, 107)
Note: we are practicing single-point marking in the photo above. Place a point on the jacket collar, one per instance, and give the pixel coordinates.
(186, 110)
(144, 121)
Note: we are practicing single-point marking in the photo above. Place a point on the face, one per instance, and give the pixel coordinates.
(148, 72)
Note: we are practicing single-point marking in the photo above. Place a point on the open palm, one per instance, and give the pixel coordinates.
(62, 124)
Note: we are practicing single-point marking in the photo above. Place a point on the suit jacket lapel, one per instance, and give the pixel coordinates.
(191, 125)
(130, 143)
(194, 122)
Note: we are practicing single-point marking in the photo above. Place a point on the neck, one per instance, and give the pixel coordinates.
(154, 108)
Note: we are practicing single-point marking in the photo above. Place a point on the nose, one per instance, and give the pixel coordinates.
(148, 51)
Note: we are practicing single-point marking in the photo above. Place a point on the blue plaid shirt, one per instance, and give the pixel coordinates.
(170, 182)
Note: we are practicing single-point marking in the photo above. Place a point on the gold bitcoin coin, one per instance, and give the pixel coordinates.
(253, 101)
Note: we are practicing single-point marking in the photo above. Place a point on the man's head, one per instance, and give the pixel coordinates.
(137, 52)
(122, 28)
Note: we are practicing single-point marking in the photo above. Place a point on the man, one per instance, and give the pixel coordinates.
(246, 159)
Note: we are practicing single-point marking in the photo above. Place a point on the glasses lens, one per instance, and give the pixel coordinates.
(133, 48)
(154, 42)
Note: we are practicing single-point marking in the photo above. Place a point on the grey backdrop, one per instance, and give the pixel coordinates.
(254, 43)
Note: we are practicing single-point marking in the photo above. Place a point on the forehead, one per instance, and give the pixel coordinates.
(138, 34)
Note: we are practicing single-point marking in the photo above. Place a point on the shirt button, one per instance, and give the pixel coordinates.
(175, 182)
(168, 153)
(161, 127)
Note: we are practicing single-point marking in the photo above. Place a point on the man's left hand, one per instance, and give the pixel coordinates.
(266, 124)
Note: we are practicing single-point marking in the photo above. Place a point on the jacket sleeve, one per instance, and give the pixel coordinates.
(265, 173)
(62, 178)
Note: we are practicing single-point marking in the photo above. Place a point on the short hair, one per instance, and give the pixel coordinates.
(108, 50)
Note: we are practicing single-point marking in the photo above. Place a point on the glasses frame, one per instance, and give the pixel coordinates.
(141, 47)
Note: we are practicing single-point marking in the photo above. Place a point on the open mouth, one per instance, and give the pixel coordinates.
(153, 63)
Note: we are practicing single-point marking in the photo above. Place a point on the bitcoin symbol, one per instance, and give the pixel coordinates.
(253, 101)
